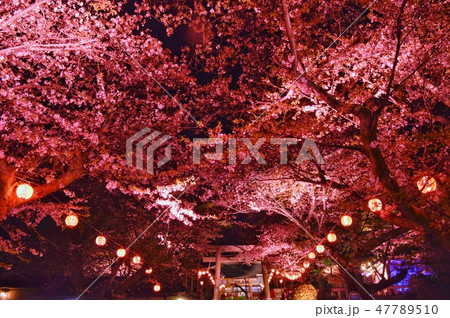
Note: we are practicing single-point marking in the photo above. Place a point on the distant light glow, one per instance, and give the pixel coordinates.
(312, 255)
(157, 288)
(149, 270)
(306, 264)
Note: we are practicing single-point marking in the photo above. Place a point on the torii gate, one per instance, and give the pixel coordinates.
(240, 258)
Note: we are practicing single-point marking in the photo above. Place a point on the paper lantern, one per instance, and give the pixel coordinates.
(426, 184)
(100, 240)
(157, 288)
(320, 248)
(149, 270)
(136, 260)
(346, 220)
(331, 237)
(311, 255)
(24, 191)
(305, 264)
(375, 205)
(71, 220)
(121, 252)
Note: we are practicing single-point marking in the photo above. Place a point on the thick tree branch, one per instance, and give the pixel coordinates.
(22, 13)
(9, 200)
(299, 69)
(397, 50)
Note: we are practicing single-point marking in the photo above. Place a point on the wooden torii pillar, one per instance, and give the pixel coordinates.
(266, 281)
(217, 278)
(219, 259)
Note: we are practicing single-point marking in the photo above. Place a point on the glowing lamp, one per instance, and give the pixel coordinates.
(100, 240)
(312, 255)
(305, 264)
(272, 270)
(302, 270)
(426, 184)
(346, 220)
(136, 260)
(149, 270)
(331, 237)
(121, 252)
(281, 281)
(71, 220)
(277, 272)
(375, 205)
(157, 288)
(320, 248)
(24, 191)
(201, 282)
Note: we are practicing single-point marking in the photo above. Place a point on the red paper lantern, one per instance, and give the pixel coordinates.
(426, 184)
(346, 220)
(320, 248)
(100, 240)
(121, 252)
(375, 205)
(71, 220)
(331, 237)
(24, 191)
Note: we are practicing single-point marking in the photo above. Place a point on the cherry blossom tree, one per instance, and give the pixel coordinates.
(365, 80)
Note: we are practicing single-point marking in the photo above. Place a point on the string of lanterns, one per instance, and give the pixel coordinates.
(206, 272)
(425, 185)
(25, 191)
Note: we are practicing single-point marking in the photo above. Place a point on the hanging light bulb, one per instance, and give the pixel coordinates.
(426, 184)
(149, 270)
(136, 259)
(157, 287)
(277, 272)
(302, 270)
(331, 237)
(71, 220)
(375, 205)
(24, 191)
(306, 264)
(312, 255)
(281, 281)
(121, 252)
(100, 240)
(201, 282)
(346, 220)
(320, 248)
